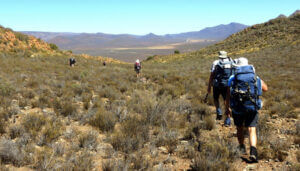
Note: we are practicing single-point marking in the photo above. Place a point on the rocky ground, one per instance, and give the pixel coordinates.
(104, 155)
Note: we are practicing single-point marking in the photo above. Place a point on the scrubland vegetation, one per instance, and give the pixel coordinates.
(54, 117)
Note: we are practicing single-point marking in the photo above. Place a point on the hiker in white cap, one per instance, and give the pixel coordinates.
(221, 70)
(243, 92)
(137, 67)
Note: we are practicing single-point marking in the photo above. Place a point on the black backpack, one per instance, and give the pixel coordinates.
(223, 70)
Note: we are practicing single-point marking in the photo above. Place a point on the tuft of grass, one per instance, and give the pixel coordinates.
(169, 139)
(10, 152)
(131, 135)
(68, 109)
(33, 123)
(103, 120)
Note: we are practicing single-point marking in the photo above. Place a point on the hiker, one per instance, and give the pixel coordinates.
(104, 63)
(243, 91)
(137, 67)
(72, 62)
(221, 70)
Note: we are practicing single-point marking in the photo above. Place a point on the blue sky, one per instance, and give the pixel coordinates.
(137, 16)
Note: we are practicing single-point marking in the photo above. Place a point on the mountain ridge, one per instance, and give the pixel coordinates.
(268, 34)
(50, 35)
(128, 47)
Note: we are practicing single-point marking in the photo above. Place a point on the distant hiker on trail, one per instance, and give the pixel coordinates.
(243, 91)
(221, 70)
(104, 63)
(72, 62)
(137, 67)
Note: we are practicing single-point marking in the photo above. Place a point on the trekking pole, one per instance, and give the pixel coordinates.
(205, 98)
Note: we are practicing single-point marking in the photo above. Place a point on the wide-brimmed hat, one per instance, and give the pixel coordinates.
(222, 54)
(242, 61)
(137, 61)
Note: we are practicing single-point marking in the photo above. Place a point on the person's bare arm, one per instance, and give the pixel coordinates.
(264, 86)
(211, 77)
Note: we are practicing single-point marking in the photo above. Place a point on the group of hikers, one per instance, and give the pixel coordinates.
(241, 89)
(137, 65)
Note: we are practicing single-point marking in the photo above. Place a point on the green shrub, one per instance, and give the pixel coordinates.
(88, 140)
(52, 130)
(33, 123)
(10, 152)
(169, 139)
(68, 109)
(21, 37)
(103, 120)
(53, 46)
(16, 131)
(131, 135)
(6, 89)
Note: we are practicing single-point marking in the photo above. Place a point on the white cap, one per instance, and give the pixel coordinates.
(242, 61)
(137, 61)
(222, 54)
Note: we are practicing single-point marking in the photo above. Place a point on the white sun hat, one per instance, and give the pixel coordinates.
(222, 54)
(242, 61)
(137, 61)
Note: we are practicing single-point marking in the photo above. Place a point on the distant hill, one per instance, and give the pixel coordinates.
(17, 43)
(113, 45)
(216, 33)
(67, 40)
(14, 43)
(48, 35)
(275, 32)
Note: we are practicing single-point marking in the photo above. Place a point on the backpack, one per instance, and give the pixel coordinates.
(245, 90)
(72, 61)
(223, 70)
(137, 66)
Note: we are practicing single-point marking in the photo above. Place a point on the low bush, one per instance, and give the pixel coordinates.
(88, 140)
(16, 131)
(10, 152)
(33, 123)
(52, 130)
(167, 138)
(53, 46)
(209, 122)
(213, 156)
(103, 120)
(132, 134)
(68, 109)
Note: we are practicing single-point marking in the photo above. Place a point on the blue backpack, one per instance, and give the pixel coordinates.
(223, 71)
(245, 90)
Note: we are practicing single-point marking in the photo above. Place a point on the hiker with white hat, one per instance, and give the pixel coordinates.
(137, 67)
(243, 92)
(221, 70)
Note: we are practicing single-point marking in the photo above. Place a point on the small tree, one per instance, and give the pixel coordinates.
(53, 46)
(176, 52)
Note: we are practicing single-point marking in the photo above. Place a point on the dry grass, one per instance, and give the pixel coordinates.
(135, 115)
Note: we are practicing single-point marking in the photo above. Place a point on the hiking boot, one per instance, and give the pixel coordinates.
(219, 117)
(227, 121)
(242, 149)
(253, 154)
(219, 114)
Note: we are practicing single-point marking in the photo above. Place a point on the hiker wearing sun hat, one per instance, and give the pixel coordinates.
(243, 92)
(137, 67)
(221, 70)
